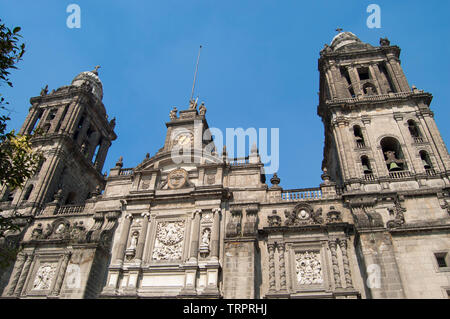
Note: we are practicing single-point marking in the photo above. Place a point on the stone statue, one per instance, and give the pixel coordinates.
(134, 240)
(192, 104)
(202, 109)
(205, 237)
(385, 42)
(173, 113)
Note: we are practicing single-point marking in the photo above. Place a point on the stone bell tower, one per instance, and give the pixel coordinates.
(74, 135)
(376, 127)
(385, 153)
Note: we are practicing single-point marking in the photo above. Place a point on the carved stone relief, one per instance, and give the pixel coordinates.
(169, 240)
(308, 268)
(303, 215)
(44, 276)
(177, 178)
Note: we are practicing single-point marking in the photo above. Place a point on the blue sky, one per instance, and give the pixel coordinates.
(258, 66)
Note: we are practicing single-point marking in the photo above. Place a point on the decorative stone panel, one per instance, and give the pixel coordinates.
(169, 240)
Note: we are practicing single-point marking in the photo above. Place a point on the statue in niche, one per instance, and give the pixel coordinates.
(131, 250)
(206, 237)
(134, 240)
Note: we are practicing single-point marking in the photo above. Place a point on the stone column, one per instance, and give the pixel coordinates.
(347, 272)
(271, 249)
(337, 278)
(401, 78)
(442, 154)
(16, 273)
(282, 267)
(142, 236)
(31, 118)
(23, 275)
(373, 69)
(195, 235)
(343, 152)
(215, 234)
(354, 78)
(393, 77)
(101, 155)
(121, 245)
(61, 274)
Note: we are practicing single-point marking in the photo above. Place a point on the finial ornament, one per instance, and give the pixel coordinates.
(119, 163)
(95, 71)
(339, 30)
(275, 180)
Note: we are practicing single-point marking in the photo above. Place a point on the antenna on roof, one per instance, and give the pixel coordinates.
(195, 75)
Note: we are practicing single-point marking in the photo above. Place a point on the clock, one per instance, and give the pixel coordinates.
(183, 139)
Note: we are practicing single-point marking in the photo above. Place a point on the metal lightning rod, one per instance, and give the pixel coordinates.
(195, 75)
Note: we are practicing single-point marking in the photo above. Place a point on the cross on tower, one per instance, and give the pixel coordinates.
(96, 69)
(339, 30)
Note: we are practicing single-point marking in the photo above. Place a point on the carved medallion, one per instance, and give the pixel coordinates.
(169, 241)
(44, 277)
(177, 178)
(308, 268)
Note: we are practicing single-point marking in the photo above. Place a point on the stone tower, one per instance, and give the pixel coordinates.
(74, 135)
(375, 125)
(385, 152)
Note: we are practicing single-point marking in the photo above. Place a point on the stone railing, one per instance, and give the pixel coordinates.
(369, 177)
(360, 144)
(238, 161)
(379, 97)
(430, 172)
(399, 174)
(418, 140)
(301, 194)
(70, 209)
(126, 172)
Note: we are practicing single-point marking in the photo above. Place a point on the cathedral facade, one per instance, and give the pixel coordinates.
(210, 226)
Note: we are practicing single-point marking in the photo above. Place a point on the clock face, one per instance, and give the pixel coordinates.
(183, 139)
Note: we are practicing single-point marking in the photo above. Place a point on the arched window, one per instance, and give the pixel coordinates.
(39, 167)
(36, 122)
(415, 131)
(393, 155)
(28, 192)
(8, 196)
(97, 148)
(359, 138)
(366, 165)
(52, 114)
(426, 162)
(71, 197)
